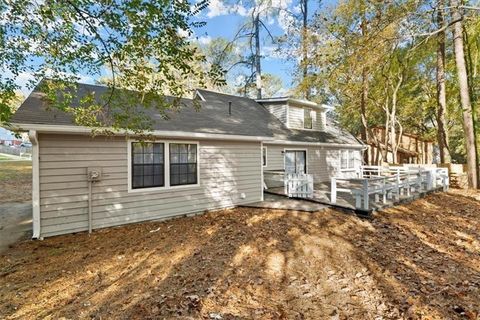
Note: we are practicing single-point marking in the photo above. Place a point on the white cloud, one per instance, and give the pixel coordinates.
(285, 21)
(296, 9)
(204, 40)
(183, 33)
(219, 8)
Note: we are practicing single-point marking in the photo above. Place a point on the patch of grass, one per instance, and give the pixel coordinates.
(15, 181)
(15, 170)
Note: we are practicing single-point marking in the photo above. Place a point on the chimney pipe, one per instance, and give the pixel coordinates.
(230, 107)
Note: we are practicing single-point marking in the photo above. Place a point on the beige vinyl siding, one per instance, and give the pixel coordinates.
(227, 169)
(322, 162)
(295, 117)
(319, 119)
(278, 110)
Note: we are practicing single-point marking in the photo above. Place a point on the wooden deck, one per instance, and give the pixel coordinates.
(375, 187)
(322, 195)
(275, 201)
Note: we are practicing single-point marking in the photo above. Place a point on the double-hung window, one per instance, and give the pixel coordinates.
(347, 160)
(183, 164)
(148, 169)
(307, 118)
(351, 159)
(264, 156)
(344, 159)
(163, 164)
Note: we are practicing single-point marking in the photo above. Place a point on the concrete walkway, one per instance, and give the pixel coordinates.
(15, 222)
(272, 201)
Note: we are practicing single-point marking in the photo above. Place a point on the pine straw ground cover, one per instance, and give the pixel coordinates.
(419, 260)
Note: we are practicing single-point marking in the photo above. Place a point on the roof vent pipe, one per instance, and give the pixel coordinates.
(230, 107)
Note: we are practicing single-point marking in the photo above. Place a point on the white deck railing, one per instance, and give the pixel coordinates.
(298, 185)
(388, 183)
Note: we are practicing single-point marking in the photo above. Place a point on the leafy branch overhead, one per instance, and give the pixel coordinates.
(137, 45)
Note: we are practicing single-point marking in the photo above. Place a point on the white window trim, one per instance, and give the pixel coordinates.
(311, 117)
(296, 149)
(166, 164)
(350, 167)
(266, 156)
(262, 178)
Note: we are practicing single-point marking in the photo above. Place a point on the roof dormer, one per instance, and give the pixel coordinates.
(297, 113)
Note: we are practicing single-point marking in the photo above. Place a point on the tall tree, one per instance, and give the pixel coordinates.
(304, 10)
(442, 133)
(257, 56)
(128, 40)
(468, 124)
(254, 33)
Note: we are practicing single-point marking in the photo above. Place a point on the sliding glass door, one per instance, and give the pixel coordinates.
(295, 161)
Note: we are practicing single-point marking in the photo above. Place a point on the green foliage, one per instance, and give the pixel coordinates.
(389, 44)
(131, 42)
(272, 87)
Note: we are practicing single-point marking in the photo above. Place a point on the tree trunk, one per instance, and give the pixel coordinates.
(468, 126)
(394, 121)
(304, 6)
(258, 67)
(364, 94)
(442, 133)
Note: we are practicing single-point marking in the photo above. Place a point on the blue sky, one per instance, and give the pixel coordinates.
(224, 19)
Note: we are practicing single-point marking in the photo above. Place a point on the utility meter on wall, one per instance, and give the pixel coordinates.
(94, 174)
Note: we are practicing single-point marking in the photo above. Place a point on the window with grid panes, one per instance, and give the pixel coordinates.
(183, 164)
(148, 168)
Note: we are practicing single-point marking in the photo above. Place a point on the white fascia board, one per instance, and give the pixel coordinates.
(197, 93)
(316, 144)
(294, 102)
(66, 129)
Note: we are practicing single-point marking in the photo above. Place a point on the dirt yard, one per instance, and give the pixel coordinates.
(15, 181)
(418, 261)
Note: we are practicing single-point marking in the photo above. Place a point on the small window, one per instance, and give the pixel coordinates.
(264, 156)
(347, 160)
(183, 164)
(344, 159)
(148, 165)
(351, 159)
(307, 118)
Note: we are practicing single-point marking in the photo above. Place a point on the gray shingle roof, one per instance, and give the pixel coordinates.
(332, 134)
(248, 118)
(213, 116)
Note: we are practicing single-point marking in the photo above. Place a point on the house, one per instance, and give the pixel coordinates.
(412, 149)
(205, 159)
(8, 138)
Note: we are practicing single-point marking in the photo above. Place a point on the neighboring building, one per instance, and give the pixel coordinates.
(8, 138)
(412, 149)
(200, 160)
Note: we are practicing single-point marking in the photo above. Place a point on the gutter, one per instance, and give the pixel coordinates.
(318, 144)
(293, 101)
(68, 129)
(32, 135)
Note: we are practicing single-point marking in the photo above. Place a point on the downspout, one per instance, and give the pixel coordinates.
(90, 206)
(32, 135)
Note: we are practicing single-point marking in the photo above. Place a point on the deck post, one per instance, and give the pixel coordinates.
(384, 191)
(365, 194)
(333, 191)
(408, 184)
(397, 186)
(429, 180)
